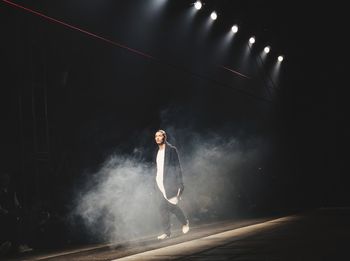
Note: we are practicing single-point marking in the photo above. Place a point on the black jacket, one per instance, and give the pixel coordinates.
(172, 175)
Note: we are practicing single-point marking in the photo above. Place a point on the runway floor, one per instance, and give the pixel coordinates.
(322, 234)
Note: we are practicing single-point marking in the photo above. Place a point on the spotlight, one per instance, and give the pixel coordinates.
(267, 49)
(280, 58)
(198, 5)
(252, 40)
(234, 28)
(213, 15)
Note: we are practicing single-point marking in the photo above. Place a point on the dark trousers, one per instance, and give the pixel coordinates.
(166, 208)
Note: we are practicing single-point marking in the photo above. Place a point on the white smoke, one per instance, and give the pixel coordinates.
(119, 202)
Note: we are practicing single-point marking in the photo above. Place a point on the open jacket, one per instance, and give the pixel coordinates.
(172, 174)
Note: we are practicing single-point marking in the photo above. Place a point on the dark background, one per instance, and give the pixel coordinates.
(69, 99)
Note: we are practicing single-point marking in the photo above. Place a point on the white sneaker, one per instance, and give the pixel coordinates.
(186, 228)
(163, 236)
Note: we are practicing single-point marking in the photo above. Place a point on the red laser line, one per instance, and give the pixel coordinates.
(78, 29)
(231, 70)
(95, 35)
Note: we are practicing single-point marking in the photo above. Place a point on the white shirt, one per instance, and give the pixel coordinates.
(160, 174)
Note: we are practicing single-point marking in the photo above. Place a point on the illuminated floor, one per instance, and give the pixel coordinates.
(322, 234)
(317, 235)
